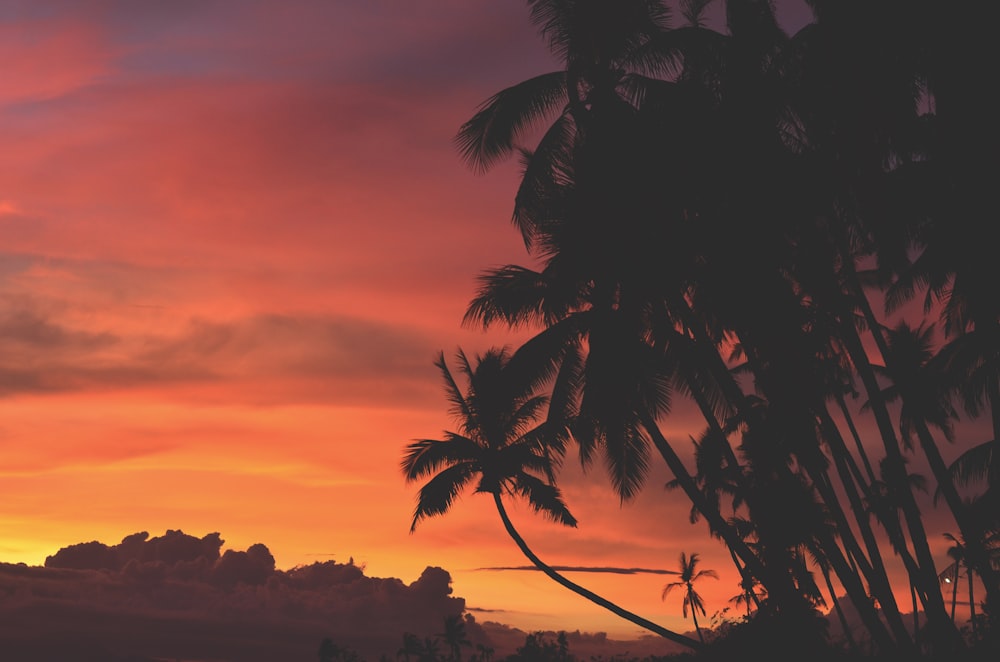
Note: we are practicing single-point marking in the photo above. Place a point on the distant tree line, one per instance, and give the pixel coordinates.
(451, 644)
(794, 232)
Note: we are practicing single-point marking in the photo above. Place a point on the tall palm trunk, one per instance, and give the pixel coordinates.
(778, 584)
(848, 634)
(697, 628)
(872, 566)
(579, 590)
(925, 577)
(972, 604)
(954, 591)
(970, 528)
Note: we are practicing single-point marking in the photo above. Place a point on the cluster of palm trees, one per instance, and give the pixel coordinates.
(790, 231)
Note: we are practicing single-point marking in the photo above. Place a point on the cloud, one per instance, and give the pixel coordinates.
(187, 600)
(49, 57)
(584, 568)
(266, 358)
(180, 596)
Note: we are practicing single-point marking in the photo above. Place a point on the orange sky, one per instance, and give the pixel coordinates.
(233, 236)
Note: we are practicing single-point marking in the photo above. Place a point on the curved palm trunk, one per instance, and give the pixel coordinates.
(579, 590)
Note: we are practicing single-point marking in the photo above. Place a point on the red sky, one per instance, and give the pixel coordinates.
(233, 236)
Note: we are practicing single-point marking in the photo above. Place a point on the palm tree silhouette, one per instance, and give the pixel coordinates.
(747, 596)
(454, 636)
(503, 445)
(484, 653)
(689, 574)
(959, 553)
(730, 205)
(411, 646)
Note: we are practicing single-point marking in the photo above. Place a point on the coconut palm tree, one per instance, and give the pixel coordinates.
(959, 553)
(747, 596)
(504, 450)
(454, 636)
(605, 279)
(484, 653)
(689, 574)
(739, 238)
(919, 379)
(412, 646)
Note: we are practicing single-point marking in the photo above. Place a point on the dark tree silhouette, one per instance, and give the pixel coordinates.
(737, 216)
(505, 450)
(689, 574)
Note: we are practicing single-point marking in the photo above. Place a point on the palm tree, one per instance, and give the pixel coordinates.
(747, 596)
(429, 650)
(484, 652)
(745, 234)
(920, 381)
(411, 646)
(505, 450)
(598, 278)
(959, 553)
(454, 636)
(689, 574)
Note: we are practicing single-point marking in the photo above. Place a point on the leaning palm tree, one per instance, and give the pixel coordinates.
(689, 574)
(505, 448)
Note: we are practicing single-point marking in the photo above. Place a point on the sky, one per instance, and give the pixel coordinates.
(233, 237)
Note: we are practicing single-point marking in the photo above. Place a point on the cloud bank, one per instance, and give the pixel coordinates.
(178, 596)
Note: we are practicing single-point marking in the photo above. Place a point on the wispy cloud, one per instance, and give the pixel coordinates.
(585, 568)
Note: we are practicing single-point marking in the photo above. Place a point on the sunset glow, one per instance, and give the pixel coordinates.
(233, 238)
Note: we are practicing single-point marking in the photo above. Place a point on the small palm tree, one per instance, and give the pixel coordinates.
(503, 445)
(411, 646)
(747, 596)
(429, 652)
(485, 653)
(454, 636)
(689, 574)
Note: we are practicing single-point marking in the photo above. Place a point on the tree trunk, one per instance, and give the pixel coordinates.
(579, 590)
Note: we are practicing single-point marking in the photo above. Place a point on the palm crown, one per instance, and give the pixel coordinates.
(502, 442)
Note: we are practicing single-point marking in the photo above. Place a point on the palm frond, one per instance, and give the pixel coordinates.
(458, 408)
(425, 456)
(626, 455)
(973, 465)
(540, 358)
(550, 440)
(544, 498)
(526, 415)
(437, 495)
(546, 178)
(693, 12)
(518, 297)
(489, 136)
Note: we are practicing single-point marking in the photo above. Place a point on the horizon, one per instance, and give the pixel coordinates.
(148, 581)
